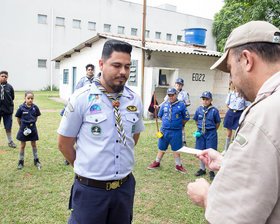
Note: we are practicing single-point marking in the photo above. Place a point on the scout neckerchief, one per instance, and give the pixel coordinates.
(2, 91)
(170, 108)
(91, 79)
(116, 105)
(205, 111)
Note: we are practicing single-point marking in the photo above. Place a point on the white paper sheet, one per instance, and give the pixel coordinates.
(189, 150)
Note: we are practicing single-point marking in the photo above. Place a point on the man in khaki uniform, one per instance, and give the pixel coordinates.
(247, 187)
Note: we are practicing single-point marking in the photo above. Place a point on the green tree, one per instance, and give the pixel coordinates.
(237, 12)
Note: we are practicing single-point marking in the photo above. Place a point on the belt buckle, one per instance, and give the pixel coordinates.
(234, 111)
(113, 185)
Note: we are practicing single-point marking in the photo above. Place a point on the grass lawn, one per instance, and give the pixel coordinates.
(41, 196)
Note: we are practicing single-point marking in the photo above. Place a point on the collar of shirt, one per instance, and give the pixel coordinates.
(269, 86)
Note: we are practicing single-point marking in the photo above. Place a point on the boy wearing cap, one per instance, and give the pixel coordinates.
(174, 115)
(207, 120)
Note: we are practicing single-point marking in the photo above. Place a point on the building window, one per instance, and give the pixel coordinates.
(168, 36)
(57, 65)
(65, 76)
(179, 38)
(132, 79)
(76, 23)
(107, 28)
(158, 35)
(42, 63)
(120, 29)
(42, 19)
(91, 25)
(147, 33)
(133, 31)
(60, 21)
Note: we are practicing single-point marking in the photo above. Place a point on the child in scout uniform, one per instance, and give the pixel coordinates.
(207, 119)
(236, 105)
(27, 114)
(174, 115)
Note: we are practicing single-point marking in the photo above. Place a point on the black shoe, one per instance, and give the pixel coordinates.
(37, 163)
(212, 175)
(20, 164)
(184, 143)
(200, 172)
(66, 163)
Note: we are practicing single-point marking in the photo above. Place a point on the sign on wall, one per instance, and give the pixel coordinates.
(198, 77)
(132, 79)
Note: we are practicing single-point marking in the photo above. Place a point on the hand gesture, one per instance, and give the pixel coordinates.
(211, 158)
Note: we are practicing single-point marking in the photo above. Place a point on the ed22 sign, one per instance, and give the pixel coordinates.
(197, 77)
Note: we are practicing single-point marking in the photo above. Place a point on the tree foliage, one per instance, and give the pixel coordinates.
(237, 12)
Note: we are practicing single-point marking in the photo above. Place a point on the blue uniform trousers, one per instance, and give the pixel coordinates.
(174, 137)
(207, 140)
(91, 205)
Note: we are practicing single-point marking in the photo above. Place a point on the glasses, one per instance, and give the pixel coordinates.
(170, 95)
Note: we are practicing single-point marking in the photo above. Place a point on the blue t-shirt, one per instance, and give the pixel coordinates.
(28, 114)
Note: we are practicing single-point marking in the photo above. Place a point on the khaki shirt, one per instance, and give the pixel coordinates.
(247, 187)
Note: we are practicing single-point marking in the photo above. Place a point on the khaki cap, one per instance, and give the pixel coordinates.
(251, 32)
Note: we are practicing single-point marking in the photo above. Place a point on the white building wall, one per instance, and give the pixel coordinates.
(91, 55)
(24, 40)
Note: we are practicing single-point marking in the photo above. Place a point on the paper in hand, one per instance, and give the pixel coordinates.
(189, 150)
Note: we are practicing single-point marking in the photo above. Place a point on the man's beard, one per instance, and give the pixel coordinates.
(120, 87)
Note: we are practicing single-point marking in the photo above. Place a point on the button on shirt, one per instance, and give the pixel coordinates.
(27, 114)
(83, 81)
(179, 113)
(183, 96)
(90, 117)
(235, 102)
(212, 117)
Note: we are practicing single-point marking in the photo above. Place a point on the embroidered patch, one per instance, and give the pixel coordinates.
(133, 129)
(131, 108)
(93, 97)
(96, 130)
(241, 140)
(94, 109)
(177, 115)
(65, 113)
(70, 107)
(276, 38)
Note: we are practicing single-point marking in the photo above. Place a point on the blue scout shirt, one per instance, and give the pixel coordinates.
(83, 81)
(178, 114)
(90, 117)
(183, 96)
(235, 102)
(28, 114)
(212, 117)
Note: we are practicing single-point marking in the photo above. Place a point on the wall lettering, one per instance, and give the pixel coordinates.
(196, 77)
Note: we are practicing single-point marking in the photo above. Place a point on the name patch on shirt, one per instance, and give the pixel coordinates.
(132, 108)
(241, 140)
(96, 130)
(94, 109)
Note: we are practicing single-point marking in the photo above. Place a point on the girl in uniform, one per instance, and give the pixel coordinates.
(27, 114)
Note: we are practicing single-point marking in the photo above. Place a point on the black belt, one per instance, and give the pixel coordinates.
(107, 185)
(234, 111)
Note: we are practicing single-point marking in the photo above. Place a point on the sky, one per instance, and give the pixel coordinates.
(201, 8)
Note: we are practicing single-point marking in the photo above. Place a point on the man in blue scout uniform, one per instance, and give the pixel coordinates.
(88, 78)
(207, 119)
(105, 121)
(174, 115)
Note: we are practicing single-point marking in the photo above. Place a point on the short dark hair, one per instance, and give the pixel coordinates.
(115, 45)
(28, 92)
(90, 65)
(269, 52)
(4, 72)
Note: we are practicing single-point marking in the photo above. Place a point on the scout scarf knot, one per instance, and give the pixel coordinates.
(170, 108)
(205, 111)
(116, 105)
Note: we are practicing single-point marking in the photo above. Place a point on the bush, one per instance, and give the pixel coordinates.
(48, 88)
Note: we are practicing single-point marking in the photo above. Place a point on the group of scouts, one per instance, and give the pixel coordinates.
(174, 115)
